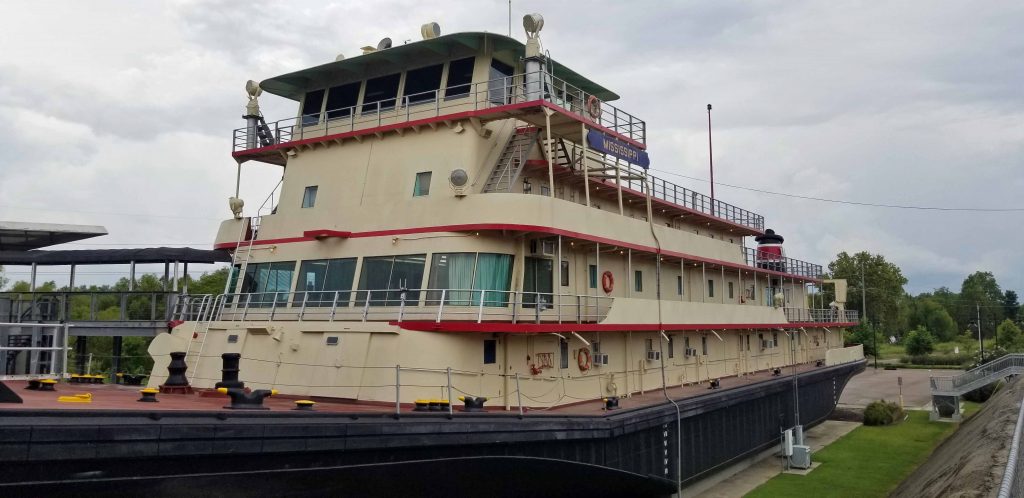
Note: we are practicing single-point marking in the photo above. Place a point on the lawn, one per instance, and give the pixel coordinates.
(868, 462)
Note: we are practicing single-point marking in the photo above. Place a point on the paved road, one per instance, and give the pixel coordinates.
(872, 385)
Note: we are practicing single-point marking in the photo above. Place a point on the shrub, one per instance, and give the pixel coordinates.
(919, 342)
(882, 412)
(937, 359)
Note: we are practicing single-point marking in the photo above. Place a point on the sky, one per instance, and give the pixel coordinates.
(120, 113)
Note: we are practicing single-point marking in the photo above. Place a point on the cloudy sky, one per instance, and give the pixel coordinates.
(120, 113)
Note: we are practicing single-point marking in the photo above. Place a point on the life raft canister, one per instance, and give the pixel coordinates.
(607, 282)
(583, 359)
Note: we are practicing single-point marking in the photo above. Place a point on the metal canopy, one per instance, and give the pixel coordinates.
(114, 256)
(20, 236)
(295, 85)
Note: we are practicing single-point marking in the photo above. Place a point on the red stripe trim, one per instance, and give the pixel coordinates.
(427, 121)
(527, 228)
(538, 328)
(324, 233)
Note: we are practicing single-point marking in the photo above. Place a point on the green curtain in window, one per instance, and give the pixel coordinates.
(494, 273)
(460, 279)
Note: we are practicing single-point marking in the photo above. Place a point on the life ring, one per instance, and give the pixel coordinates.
(607, 282)
(583, 359)
(594, 107)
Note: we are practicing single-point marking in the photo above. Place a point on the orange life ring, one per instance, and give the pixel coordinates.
(607, 282)
(583, 359)
(594, 107)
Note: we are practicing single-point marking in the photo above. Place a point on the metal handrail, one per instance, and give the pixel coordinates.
(57, 305)
(955, 385)
(820, 315)
(477, 305)
(1013, 475)
(782, 264)
(483, 95)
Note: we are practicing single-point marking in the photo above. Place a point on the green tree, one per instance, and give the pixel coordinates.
(928, 314)
(209, 282)
(23, 286)
(1011, 306)
(3, 279)
(861, 334)
(1009, 337)
(883, 286)
(980, 294)
(919, 342)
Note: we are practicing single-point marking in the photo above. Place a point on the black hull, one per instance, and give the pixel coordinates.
(626, 453)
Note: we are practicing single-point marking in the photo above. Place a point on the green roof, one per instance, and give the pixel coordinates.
(295, 85)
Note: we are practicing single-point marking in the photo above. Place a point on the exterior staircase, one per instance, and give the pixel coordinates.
(512, 159)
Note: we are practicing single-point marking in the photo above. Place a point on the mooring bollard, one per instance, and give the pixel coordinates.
(241, 400)
(176, 382)
(473, 403)
(304, 405)
(229, 371)
(611, 403)
(148, 395)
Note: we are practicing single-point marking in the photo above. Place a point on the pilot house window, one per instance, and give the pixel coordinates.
(460, 75)
(380, 93)
(341, 100)
(421, 84)
(311, 107)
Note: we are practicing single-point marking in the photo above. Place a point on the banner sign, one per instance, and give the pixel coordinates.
(617, 148)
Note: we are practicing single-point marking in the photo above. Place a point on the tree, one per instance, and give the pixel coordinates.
(861, 334)
(23, 286)
(3, 279)
(883, 286)
(1009, 336)
(209, 283)
(919, 342)
(1011, 306)
(928, 314)
(980, 293)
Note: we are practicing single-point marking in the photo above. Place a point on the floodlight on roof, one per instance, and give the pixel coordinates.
(533, 23)
(430, 30)
(339, 58)
(253, 88)
(384, 44)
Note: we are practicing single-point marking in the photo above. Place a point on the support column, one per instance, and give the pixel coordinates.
(583, 164)
(618, 186)
(32, 279)
(703, 281)
(724, 285)
(184, 276)
(71, 278)
(167, 275)
(629, 272)
(551, 157)
(81, 351)
(682, 279)
(174, 286)
(131, 276)
(116, 349)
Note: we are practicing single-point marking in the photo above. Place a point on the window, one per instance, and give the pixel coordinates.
(380, 93)
(711, 288)
(499, 85)
(564, 271)
(679, 285)
(671, 346)
(592, 271)
(775, 339)
(391, 273)
(729, 284)
(342, 100)
(490, 351)
(537, 284)
(421, 84)
(596, 346)
(462, 273)
(264, 281)
(332, 340)
(748, 342)
(422, 185)
(233, 339)
(311, 107)
(544, 190)
(233, 286)
(704, 345)
(686, 344)
(319, 280)
(638, 281)
(563, 350)
(460, 75)
(309, 197)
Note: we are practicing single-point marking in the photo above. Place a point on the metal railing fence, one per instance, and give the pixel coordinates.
(87, 306)
(1013, 474)
(773, 262)
(397, 305)
(820, 315)
(497, 92)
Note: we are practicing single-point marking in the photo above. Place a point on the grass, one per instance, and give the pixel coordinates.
(868, 462)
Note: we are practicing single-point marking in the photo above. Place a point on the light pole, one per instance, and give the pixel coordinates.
(711, 162)
(977, 308)
(864, 314)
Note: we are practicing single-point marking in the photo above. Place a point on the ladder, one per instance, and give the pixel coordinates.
(209, 308)
(512, 159)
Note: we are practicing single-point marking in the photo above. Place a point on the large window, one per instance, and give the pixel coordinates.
(592, 271)
(499, 86)
(385, 277)
(311, 107)
(421, 84)
(268, 283)
(462, 273)
(460, 78)
(320, 279)
(383, 90)
(341, 100)
(638, 281)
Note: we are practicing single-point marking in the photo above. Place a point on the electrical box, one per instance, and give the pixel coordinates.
(801, 457)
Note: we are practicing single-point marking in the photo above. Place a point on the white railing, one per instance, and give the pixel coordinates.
(839, 356)
(955, 385)
(476, 96)
(819, 315)
(435, 305)
(1013, 474)
(42, 361)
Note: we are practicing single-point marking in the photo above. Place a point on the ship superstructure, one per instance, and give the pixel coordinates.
(465, 203)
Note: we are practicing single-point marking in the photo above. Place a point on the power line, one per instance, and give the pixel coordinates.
(853, 203)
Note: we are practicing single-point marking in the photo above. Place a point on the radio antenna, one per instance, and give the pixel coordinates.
(510, 18)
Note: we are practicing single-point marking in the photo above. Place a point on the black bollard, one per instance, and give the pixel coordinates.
(148, 396)
(176, 382)
(611, 403)
(229, 372)
(473, 404)
(241, 400)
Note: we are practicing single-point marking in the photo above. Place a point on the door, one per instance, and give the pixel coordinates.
(537, 283)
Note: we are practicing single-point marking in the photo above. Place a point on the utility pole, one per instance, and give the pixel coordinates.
(864, 313)
(977, 308)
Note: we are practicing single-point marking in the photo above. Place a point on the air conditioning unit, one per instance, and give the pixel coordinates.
(653, 355)
(690, 352)
(544, 247)
(765, 344)
(801, 457)
(600, 359)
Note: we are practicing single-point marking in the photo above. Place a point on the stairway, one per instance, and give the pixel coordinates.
(512, 160)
